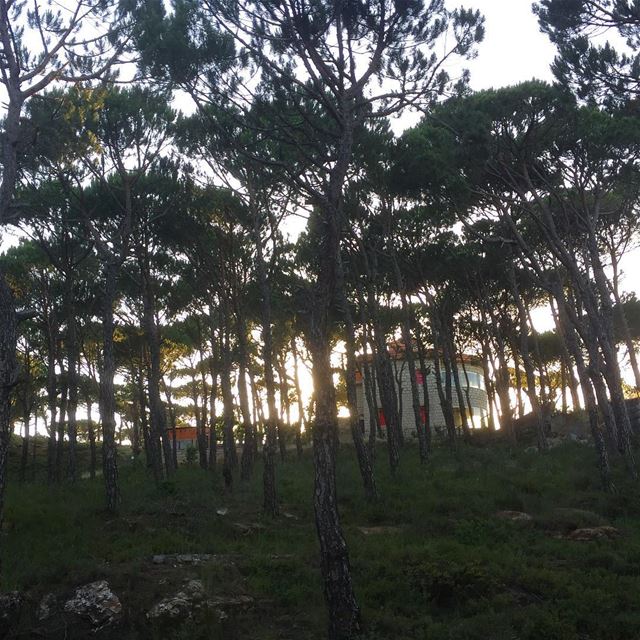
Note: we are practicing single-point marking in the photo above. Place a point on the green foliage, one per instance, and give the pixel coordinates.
(190, 455)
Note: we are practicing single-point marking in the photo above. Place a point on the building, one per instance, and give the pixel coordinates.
(471, 379)
(185, 437)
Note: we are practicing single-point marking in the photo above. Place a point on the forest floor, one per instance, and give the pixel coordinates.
(433, 558)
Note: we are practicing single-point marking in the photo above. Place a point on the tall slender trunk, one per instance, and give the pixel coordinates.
(24, 452)
(64, 401)
(443, 395)
(518, 380)
(386, 386)
(107, 392)
(268, 453)
(298, 390)
(8, 376)
(152, 338)
(283, 424)
(52, 390)
(213, 395)
(362, 454)
(344, 614)
(622, 321)
(368, 376)
(73, 357)
(455, 374)
(91, 434)
(569, 338)
(8, 320)
(410, 359)
(228, 437)
(248, 447)
(424, 370)
(527, 362)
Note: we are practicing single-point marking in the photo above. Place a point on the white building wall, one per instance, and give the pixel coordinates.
(477, 395)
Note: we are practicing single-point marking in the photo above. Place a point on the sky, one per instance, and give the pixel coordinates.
(514, 49)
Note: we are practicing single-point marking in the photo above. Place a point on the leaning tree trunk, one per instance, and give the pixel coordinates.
(527, 362)
(362, 454)
(569, 338)
(248, 447)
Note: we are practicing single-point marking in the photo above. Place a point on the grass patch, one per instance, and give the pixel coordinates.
(452, 570)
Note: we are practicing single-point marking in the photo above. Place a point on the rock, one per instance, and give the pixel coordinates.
(95, 602)
(10, 605)
(195, 559)
(181, 605)
(571, 518)
(47, 606)
(229, 602)
(222, 606)
(290, 516)
(514, 516)
(222, 511)
(594, 533)
(380, 530)
(249, 527)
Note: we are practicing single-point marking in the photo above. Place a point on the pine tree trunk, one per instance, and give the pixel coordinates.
(569, 338)
(107, 392)
(73, 357)
(362, 454)
(296, 382)
(92, 441)
(24, 452)
(284, 392)
(158, 443)
(410, 359)
(228, 438)
(248, 446)
(443, 396)
(8, 376)
(268, 453)
(64, 401)
(527, 362)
